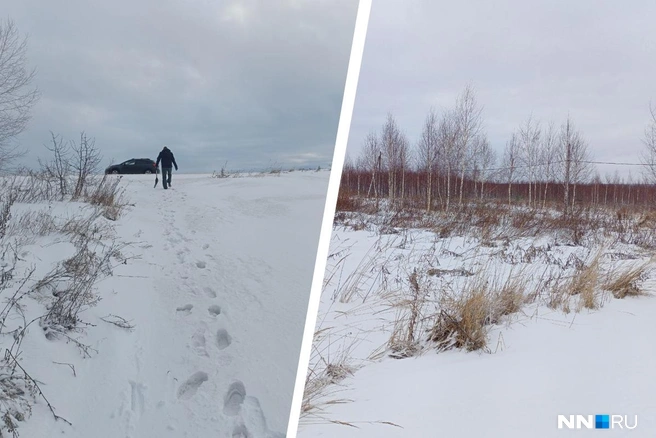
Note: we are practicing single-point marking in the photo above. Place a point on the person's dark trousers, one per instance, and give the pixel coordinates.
(166, 176)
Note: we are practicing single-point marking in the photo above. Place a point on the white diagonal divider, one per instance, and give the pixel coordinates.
(348, 101)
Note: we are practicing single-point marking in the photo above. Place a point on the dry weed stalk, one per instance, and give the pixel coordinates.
(403, 341)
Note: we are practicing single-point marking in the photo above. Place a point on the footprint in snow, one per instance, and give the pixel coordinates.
(185, 309)
(198, 343)
(214, 310)
(234, 398)
(137, 399)
(210, 292)
(207, 245)
(201, 264)
(254, 418)
(240, 431)
(189, 388)
(223, 339)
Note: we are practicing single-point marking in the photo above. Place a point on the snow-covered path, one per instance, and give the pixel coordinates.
(218, 298)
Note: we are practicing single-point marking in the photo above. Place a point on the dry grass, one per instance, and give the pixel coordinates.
(461, 321)
(464, 317)
(558, 297)
(371, 269)
(404, 340)
(66, 291)
(625, 282)
(511, 296)
(332, 364)
(585, 281)
(109, 196)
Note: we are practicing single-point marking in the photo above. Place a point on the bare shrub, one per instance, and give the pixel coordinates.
(17, 395)
(6, 203)
(85, 162)
(66, 291)
(59, 168)
(69, 288)
(33, 223)
(223, 173)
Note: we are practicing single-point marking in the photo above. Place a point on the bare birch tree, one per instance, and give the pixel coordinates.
(404, 158)
(648, 155)
(395, 152)
(575, 159)
(428, 153)
(529, 136)
(390, 147)
(469, 123)
(510, 163)
(447, 135)
(371, 161)
(548, 154)
(485, 159)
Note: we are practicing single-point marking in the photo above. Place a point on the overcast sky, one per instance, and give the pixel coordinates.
(251, 82)
(593, 59)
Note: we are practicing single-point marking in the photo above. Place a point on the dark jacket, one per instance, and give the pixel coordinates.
(167, 159)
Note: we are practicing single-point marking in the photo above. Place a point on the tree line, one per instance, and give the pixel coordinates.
(452, 163)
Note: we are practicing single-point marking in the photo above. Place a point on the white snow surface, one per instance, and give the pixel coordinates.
(217, 289)
(543, 362)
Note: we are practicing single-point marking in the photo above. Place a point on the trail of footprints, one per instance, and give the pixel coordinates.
(221, 339)
(233, 405)
(189, 388)
(235, 395)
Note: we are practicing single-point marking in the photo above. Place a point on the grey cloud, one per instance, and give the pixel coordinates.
(594, 60)
(244, 81)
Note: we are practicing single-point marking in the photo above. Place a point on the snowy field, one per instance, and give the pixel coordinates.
(199, 324)
(550, 353)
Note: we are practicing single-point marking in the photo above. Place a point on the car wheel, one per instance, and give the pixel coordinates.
(148, 172)
(115, 171)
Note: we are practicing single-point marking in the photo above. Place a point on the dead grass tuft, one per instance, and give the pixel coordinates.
(626, 283)
(585, 281)
(463, 319)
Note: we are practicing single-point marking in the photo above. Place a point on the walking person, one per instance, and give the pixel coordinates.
(168, 161)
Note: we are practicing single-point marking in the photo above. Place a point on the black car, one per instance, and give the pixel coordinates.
(135, 165)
